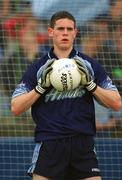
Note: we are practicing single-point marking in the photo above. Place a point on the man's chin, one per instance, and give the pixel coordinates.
(64, 48)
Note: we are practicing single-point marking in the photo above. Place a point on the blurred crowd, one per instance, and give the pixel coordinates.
(102, 40)
(23, 38)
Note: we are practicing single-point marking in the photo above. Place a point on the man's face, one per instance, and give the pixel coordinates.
(63, 34)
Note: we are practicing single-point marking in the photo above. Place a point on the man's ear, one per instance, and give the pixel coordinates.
(76, 31)
(50, 32)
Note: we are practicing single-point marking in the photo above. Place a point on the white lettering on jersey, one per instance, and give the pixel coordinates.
(56, 95)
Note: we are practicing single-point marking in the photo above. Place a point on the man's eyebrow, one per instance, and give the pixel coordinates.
(61, 27)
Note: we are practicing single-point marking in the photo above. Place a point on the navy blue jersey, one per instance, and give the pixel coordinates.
(63, 114)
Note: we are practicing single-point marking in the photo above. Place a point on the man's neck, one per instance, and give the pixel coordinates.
(62, 53)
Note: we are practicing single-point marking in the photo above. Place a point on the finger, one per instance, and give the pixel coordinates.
(82, 69)
(50, 62)
(48, 70)
(80, 63)
(84, 72)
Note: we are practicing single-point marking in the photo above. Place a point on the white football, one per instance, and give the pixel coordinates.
(65, 75)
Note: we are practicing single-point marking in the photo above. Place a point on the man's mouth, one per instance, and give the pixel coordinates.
(65, 40)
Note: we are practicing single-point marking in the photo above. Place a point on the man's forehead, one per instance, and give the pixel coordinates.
(64, 22)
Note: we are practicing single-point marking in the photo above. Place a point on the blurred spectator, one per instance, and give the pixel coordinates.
(103, 42)
(4, 8)
(106, 120)
(104, 45)
(11, 7)
(29, 43)
(2, 41)
(17, 25)
(93, 34)
(115, 11)
(109, 53)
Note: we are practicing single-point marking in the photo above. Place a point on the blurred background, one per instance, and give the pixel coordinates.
(23, 39)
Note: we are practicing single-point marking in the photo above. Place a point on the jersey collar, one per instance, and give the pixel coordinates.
(51, 54)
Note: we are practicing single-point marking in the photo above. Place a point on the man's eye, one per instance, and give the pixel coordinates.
(69, 29)
(60, 28)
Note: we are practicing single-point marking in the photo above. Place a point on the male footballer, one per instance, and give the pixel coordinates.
(65, 121)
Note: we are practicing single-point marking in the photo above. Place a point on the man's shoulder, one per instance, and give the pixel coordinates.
(85, 56)
(92, 61)
(40, 61)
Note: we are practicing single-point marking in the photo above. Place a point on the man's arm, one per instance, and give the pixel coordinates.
(23, 102)
(109, 98)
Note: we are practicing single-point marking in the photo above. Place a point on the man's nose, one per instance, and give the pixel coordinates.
(65, 31)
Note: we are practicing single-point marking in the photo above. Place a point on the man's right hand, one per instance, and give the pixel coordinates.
(43, 77)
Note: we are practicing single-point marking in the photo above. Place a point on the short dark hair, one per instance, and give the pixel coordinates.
(61, 15)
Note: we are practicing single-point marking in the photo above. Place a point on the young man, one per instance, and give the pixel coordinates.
(65, 121)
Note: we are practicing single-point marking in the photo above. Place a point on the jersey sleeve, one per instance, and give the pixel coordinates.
(27, 82)
(102, 78)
